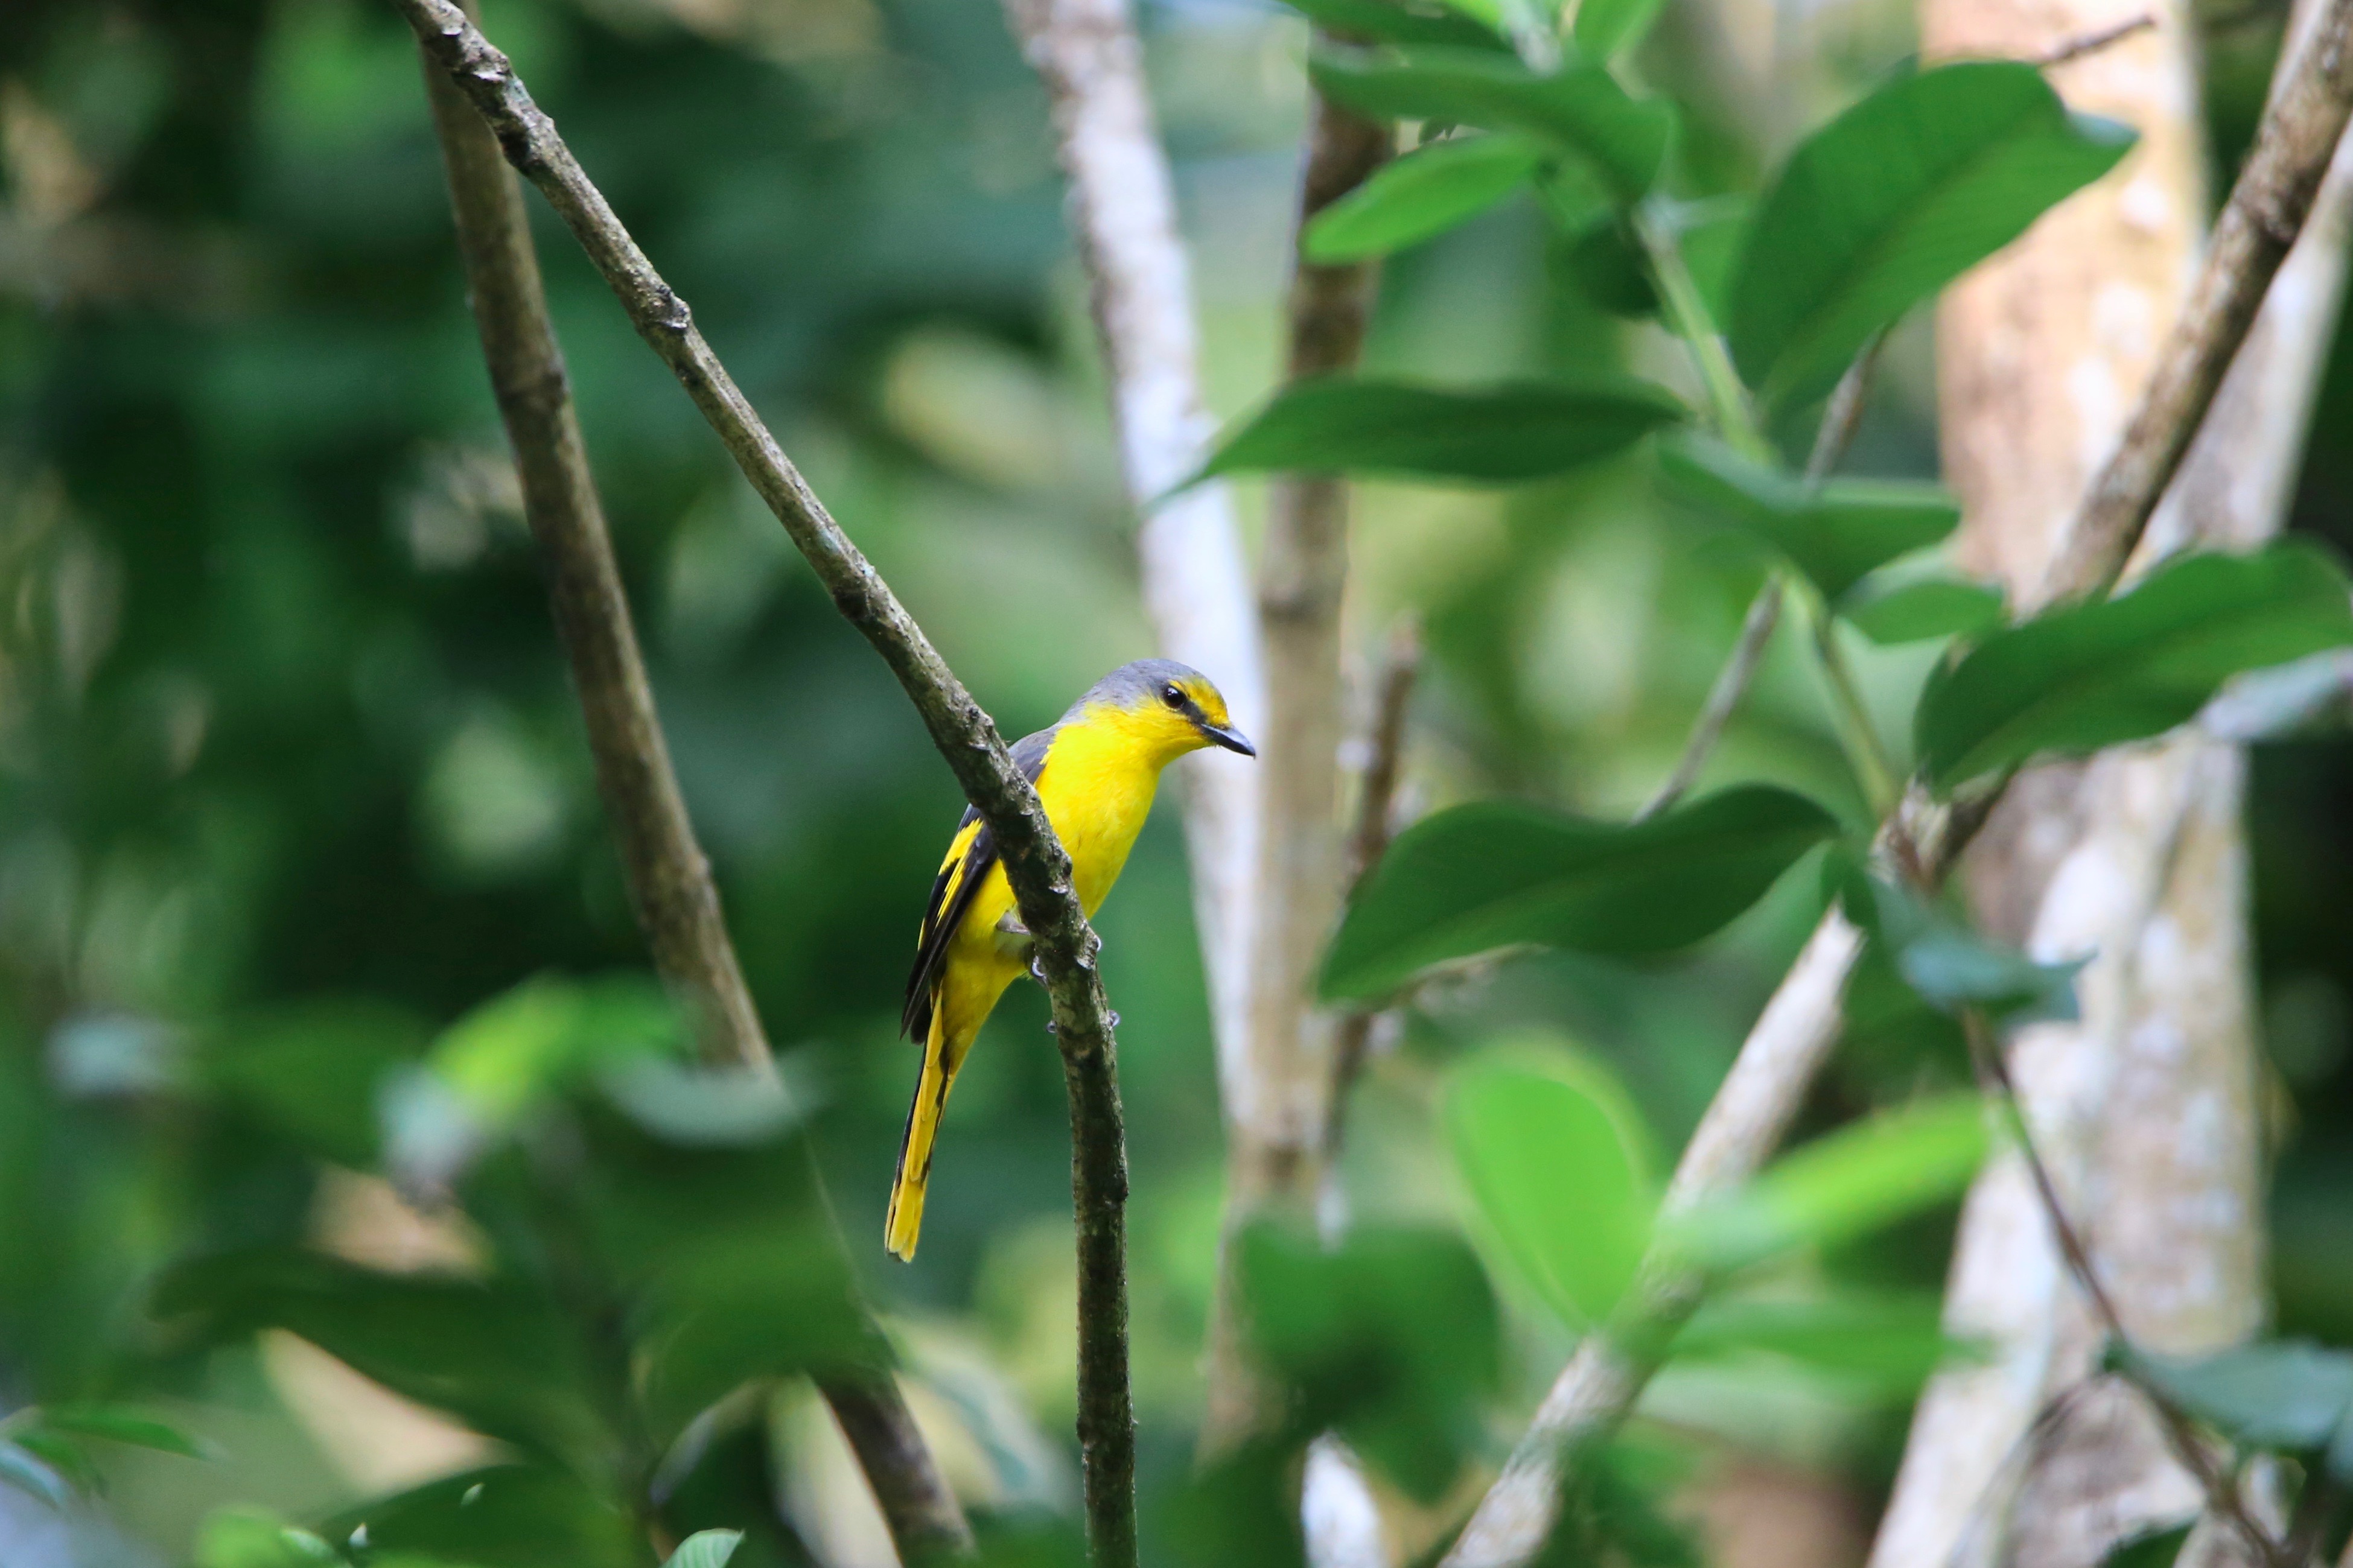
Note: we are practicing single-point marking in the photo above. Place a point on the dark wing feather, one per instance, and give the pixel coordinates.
(953, 892)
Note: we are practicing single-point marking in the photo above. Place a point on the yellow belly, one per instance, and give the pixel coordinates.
(1097, 794)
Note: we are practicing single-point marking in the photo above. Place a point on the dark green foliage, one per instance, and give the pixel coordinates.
(1950, 966)
(1388, 1339)
(1497, 434)
(2084, 676)
(1894, 199)
(1484, 875)
(2158, 1549)
(2288, 1395)
(507, 1516)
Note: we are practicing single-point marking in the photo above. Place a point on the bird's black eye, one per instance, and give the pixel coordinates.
(1173, 695)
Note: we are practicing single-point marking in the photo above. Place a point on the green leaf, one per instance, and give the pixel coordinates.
(1895, 198)
(256, 1538)
(503, 1516)
(63, 1456)
(1952, 967)
(1930, 608)
(309, 1072)
(1421, 195)
(1553, 1159)
(1579, 110)
(706, 1549)
(1887, 1345)
(1394, 23)
(1493, 873)
(2156, 1549)
(1845, 1185)
(1835, 535)
(492, 1353)
(1515, 431)
(1389, 1338)
(2287, 1394)
(117, 1424)
(2084, 676)
(1606, 27)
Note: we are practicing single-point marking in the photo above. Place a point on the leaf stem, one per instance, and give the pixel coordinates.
(1690, 318)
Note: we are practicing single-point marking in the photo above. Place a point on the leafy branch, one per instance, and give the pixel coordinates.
(1035, 864)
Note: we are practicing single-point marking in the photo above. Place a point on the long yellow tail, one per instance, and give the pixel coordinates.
(905, 1221)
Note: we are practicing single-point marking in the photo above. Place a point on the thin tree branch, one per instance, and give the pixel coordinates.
(2221, 1488)
(1376, 811)
(1841, 418)
(1277, 1103)
(669, 880)
(2268, 204)
(2068, 50)
(1748, 1116)
(1035, 864)
(1196, 582)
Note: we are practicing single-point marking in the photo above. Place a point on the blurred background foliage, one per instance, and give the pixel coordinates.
(291, 780)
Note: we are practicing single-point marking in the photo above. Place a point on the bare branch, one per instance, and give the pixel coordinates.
(2268, 205)
(669, 881)
(1724, 698)
(2068, 50)
(1196, 584)
(2221, 1488)
(1035, 864)
(1277, 1089)
(1376, 811)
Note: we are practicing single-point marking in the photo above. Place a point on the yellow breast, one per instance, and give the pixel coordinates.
(1097, 789)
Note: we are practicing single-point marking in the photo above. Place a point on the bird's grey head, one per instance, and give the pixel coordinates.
(1157, 684)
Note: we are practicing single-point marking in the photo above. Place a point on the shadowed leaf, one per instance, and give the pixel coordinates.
(1931, 607)
(1494, 435)
(1835, 534)
(1493, 873)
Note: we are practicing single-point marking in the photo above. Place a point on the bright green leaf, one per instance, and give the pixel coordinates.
(1929, 607)
(1553, 1159)
(256, 1538)
(1399, 24)
(1421, 195)
(2084, 676)
(1842, 1186)
(1494, 873)
(706, 1549)
(1606, 27)
(1835, 534)
(1515, 431)
(1895, 198)
(1579, 110)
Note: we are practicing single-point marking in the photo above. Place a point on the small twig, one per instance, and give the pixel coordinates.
(2221, 1486)
(1732, 683)
(2091, 43)
(1841, 418)
(1035, 861)
(669, 881)
(1376, 808)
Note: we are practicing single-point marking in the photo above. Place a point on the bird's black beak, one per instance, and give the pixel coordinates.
(1231, 739)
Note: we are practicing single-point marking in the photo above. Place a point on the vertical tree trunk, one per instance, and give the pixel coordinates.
(2147, 1106)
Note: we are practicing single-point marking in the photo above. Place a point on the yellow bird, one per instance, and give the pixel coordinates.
(1095, 771)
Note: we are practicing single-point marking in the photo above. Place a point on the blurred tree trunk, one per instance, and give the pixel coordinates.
(2146, 1107)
